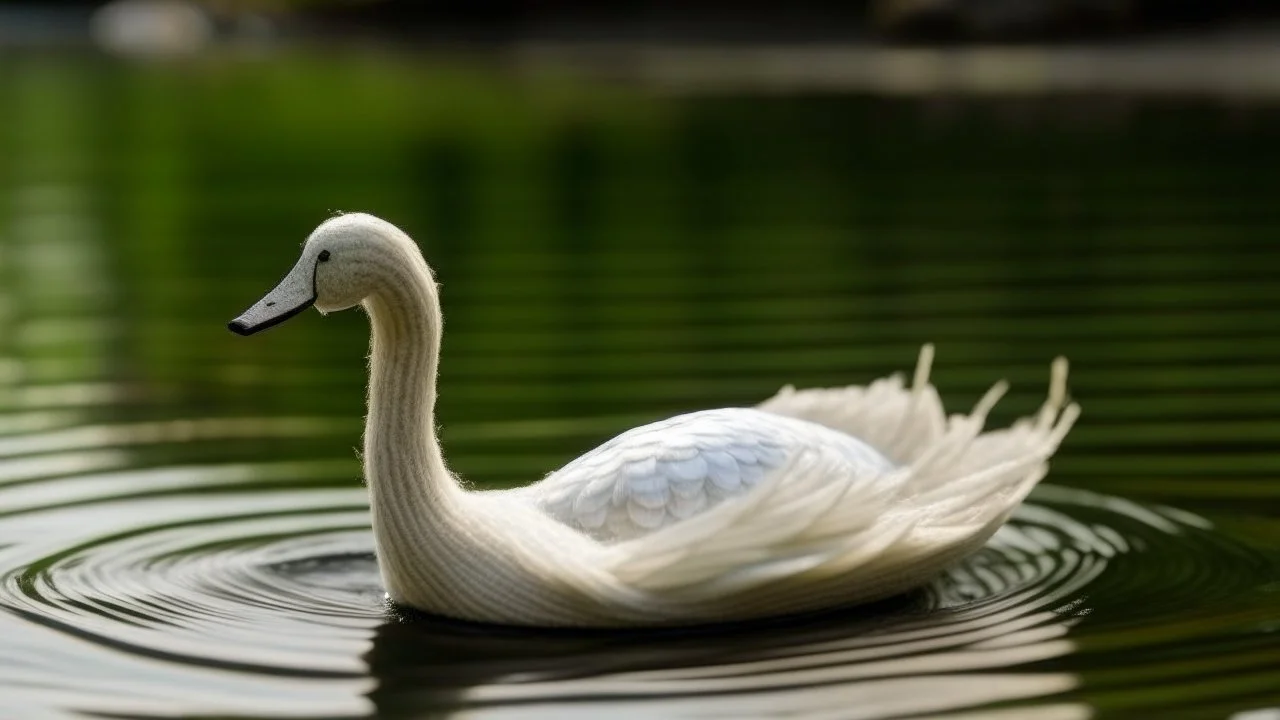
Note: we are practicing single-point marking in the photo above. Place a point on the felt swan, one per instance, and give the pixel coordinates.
(813, 499)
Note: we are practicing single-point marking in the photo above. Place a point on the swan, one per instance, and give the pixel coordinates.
(813, 499)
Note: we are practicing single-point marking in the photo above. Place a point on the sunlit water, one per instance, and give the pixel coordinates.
(182, 526)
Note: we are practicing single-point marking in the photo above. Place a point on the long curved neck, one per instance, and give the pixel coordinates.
(414, 499)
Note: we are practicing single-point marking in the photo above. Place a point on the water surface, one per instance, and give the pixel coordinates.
(182, 525)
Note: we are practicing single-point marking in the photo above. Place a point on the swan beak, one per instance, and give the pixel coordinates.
(295, 293)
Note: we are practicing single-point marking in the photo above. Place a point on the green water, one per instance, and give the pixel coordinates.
(182, 527)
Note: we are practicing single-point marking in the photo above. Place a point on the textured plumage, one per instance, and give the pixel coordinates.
(815, 498)
(653, 476)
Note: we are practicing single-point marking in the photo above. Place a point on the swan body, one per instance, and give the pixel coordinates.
(815, 498)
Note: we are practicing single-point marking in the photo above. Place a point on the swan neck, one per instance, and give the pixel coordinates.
(403, 461)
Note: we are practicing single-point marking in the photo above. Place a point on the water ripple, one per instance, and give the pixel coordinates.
(183, 576)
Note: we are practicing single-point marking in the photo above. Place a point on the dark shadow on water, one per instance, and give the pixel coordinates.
(423, 661)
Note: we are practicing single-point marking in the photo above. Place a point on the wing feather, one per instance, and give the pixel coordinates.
(661, 474)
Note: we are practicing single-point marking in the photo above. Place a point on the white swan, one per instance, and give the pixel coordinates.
(815, 498)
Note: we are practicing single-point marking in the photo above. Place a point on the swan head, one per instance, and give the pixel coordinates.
(342, 263)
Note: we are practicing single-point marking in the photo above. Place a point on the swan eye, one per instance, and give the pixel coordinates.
(324, 256)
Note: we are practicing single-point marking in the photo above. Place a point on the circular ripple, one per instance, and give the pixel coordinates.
(285, 584)
(291, 593)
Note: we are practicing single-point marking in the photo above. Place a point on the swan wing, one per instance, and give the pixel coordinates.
(815, 532)
(659, 474)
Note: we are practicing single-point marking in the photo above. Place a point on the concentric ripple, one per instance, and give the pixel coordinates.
(985, 632)
(161, 580)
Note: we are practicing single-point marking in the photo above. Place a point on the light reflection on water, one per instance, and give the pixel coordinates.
(182, 528)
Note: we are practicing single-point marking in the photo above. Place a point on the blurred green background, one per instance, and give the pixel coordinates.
(607, 250)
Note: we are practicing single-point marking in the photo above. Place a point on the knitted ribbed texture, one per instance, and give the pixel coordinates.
(819, 528)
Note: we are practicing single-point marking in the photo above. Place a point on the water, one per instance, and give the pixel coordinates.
(182, 528)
